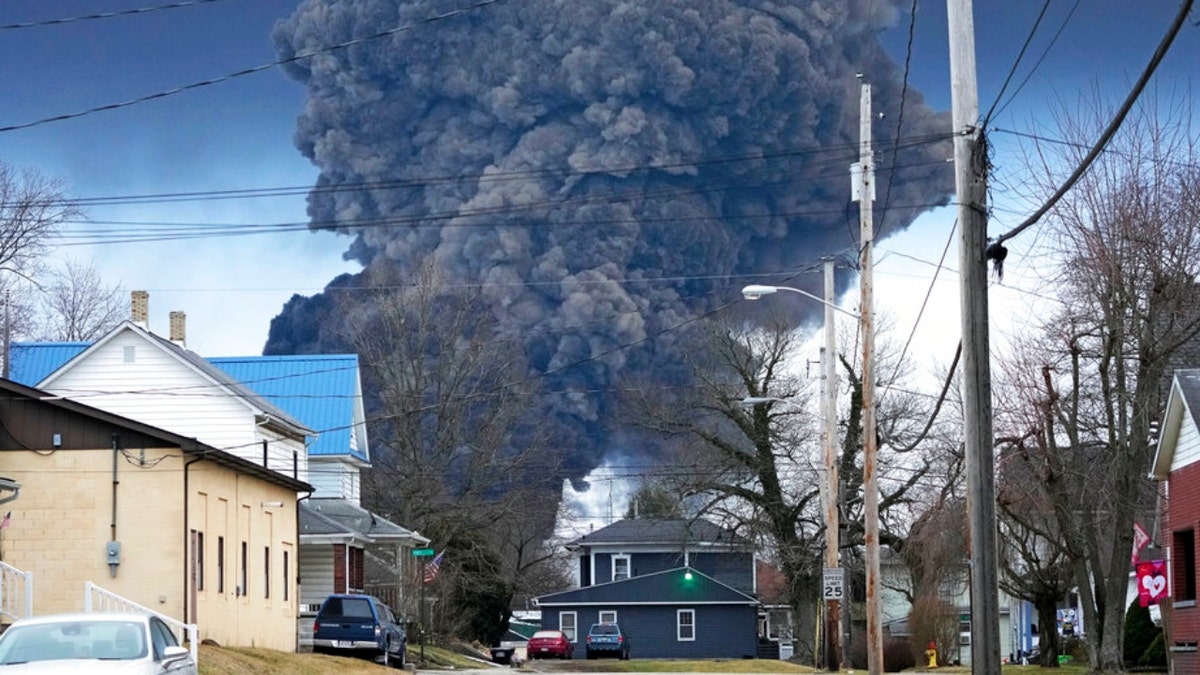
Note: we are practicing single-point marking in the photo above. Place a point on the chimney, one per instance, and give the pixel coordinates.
(139, 311)
(179, 329)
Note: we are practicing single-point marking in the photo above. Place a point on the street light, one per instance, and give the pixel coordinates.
(870, 484)
(754, 292)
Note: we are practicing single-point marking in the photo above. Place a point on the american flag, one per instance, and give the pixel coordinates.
(431, 568)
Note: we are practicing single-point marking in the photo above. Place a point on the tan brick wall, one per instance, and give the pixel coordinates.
(62, 522)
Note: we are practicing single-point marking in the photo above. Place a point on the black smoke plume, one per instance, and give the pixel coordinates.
(606, 169)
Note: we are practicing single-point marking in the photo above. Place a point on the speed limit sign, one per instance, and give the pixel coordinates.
(832, 584)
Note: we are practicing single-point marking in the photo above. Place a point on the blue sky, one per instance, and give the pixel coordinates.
(238, 134)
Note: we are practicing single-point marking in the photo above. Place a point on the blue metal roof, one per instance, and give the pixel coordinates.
(320, 390)
(32, 362)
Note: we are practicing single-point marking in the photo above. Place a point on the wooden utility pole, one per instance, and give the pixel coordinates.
(970, 182)
(870, 478)
(829, 436)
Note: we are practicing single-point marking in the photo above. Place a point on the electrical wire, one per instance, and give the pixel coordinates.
(1037, 64)
(107, 15)
(251, 70)
(1013, 70)
(1113, 126)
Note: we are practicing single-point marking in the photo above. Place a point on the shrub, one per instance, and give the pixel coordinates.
(897, 655)
(1155, 655)
(1140, 631)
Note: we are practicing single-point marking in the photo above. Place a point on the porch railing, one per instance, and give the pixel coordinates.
(96, 599)
(16, 592)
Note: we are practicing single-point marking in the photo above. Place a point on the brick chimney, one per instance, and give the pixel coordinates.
(139, 310)
(179, 329)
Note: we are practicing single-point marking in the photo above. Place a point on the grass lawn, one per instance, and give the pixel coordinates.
(238, 661)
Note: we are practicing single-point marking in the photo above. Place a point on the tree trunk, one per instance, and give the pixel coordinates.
(1048, 644)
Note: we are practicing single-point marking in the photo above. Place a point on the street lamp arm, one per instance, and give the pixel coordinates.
(755, 291)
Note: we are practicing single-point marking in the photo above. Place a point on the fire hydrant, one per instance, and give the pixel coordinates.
(931, 653)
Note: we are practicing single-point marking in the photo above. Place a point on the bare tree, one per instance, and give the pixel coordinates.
(32, 207)
(462, 457)
(77, 306)
(759, 466)
(1128, 242)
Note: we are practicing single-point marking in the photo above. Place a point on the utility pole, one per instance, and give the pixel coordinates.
(970, 183)
(829, 418)
(870, 442)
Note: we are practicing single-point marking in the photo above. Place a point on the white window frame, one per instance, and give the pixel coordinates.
(611, 615)
(679, 625)
(573, 632)
(628, 566)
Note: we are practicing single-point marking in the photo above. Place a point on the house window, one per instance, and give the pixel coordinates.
(620, 567)
(1183, 550)
(220, 564)
(608, 616)
(266, 571)
(243, 588)
(567, 624)
(685, 625)
(199, 561)
(286, 579)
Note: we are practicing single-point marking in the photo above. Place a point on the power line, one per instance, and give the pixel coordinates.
(1013, 70)
(1113, 126)
(106, 15)
(249, 71)
(834, 152)
(1037, 64)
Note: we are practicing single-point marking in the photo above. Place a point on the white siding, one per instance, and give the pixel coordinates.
(157, 388)
(1187, 448)
(334, 478)
(316, 574)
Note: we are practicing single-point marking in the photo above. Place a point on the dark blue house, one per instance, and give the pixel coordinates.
(678, 588)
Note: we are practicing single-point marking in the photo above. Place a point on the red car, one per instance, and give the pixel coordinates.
(549, 643)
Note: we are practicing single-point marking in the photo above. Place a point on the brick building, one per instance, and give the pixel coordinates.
(1177, 468)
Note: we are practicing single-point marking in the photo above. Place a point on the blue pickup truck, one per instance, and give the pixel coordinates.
(359, 625)
(607, 639)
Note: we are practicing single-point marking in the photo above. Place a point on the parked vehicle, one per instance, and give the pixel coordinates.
(607, 639)
(99, 642)
(547, 644)
(359, 625)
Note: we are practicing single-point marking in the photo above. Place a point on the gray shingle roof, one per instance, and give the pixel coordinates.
(338, 517)
(662, 531)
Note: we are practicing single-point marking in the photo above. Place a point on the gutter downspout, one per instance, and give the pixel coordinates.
(112, 550)
(187, 539)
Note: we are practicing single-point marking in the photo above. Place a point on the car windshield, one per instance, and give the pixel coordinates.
(352, 608)
(546, 635)
(605, 629)
(105, 640)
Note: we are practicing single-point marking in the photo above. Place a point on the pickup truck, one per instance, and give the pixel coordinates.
(360, 625)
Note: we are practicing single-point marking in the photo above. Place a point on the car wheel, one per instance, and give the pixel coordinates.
(590, 655)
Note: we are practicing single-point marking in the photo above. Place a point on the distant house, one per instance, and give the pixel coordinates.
(1177, 468)
(172, 523)
(679, 588)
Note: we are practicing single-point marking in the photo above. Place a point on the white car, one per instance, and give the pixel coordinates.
(127, 643)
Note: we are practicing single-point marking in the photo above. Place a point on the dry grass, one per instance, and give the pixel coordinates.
(239, 660)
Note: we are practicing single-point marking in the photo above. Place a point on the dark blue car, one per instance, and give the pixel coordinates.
(359, 625)
(607, 639)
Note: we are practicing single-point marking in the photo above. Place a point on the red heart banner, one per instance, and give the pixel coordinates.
(1152, 582)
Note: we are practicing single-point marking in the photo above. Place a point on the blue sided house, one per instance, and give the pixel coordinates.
(678, 588)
